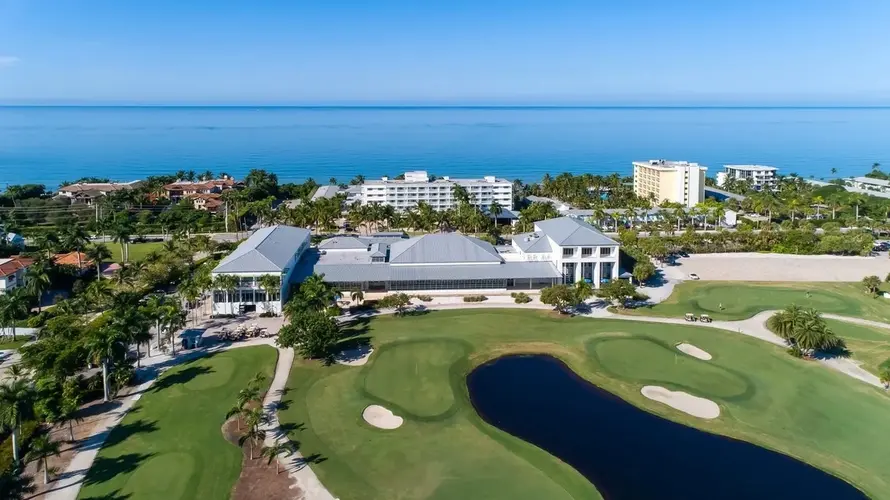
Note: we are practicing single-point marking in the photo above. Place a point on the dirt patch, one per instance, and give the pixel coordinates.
(259, 480)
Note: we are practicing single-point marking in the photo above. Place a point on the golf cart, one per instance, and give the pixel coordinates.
(705, 318)
(691, 317)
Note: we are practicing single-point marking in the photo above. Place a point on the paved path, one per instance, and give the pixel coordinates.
(295, 464)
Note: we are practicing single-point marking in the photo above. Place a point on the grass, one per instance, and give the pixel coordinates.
(444, 450)
(138, 251)
(6, 342)
(734, 301)
(867, 344)
(170, 445)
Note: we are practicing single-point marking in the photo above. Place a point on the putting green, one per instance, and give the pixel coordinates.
(444, 450)
(424, 367)
(870, 345)
(170, 445)
(733, 300)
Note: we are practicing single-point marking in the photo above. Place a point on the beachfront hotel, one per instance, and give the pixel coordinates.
(677, 181)
(562, 250)
(760, 176)
(418, 186)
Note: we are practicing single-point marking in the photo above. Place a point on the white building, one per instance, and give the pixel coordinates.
(13, 271)
(760, 176)
(89, 192)
(269, 251)
(676, 181)
(578, 250)
(417, 186)
(869, 184)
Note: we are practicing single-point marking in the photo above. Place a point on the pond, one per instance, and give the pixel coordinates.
(629, 453)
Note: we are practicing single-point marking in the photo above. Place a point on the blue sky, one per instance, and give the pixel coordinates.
(460, 51)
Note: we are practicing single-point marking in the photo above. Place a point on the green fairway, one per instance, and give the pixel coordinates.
(444, 450)
(867, 344)
(733, 300)
(170, 445)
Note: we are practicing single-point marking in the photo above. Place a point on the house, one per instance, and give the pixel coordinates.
(210, 202)
(869, 184)
(272, 251)
(13, 272)
(89, 192)
(178, 190)
(77, 260)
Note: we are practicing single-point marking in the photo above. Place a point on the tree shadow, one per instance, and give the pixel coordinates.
(123, 432)
(288, 429)
(104, 468)
(181, 377)
(114, 495)
(315, 458)
(281, 405)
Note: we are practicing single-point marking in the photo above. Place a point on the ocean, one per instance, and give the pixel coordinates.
(52, 144)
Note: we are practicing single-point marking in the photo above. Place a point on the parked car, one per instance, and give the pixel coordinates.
(693, 276)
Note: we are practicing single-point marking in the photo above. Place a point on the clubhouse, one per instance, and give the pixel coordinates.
(562, 250)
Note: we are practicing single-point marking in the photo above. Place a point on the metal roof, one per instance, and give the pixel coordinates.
(338, 273)
(267, 250)
(568, 231)
(443, 248)
(532, 243)
(343, 243)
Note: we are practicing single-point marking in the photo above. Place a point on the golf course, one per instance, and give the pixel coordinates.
(170, 445)
(733, 300)
(445, 450)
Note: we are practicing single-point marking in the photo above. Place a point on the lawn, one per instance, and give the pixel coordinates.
(733, 300)
(170, 445)
(867, 344)
(444, 450)
(138, 251)
(6, 342)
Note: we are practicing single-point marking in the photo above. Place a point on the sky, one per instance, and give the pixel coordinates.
(549, 52)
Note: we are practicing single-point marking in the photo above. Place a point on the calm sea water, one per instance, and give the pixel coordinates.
(52, 144)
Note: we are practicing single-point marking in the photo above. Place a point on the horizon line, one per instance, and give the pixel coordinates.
(451, 106)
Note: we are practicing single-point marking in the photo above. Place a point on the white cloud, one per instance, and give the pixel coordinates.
(8, 61)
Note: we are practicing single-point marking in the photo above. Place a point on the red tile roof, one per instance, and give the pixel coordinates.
(14, 264)
(70, 259)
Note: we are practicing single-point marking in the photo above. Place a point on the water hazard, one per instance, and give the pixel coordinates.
(629, 453)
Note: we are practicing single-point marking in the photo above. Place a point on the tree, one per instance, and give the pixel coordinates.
(643, 270)
(42, 447)
(14, 484)
(885, 377)
(312, 333)
(619, 292)
(121, 233)
(271, 284)
(397, 301)
(358, 296)
(252, 436)
(561, 297)
(227, 283)
(76, 238)
(583, 290)
(804, 329)
(38, 281)
(13, 307)
(872, 284)
(272, 452)
(16, 405)
(98, 253)
(104, 346)
(313, 294)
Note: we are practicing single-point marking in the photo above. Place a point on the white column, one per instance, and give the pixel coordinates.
(596, 272)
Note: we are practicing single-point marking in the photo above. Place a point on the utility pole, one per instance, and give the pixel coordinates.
(226, 205)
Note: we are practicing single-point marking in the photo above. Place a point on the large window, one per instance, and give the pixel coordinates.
(605, 251)
(568, 252)
(586, 252)
(469, 284)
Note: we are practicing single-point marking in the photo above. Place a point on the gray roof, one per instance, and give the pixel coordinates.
(568, 231)
(442, 248)
(267, 250)
(343, 243)
(328, 191)
(532, 243)
(338, 273)
(386, 234)
(871, 180)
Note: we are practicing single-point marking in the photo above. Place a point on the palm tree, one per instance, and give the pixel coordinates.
(495, 209)
(872, 284)
(77, 239)
(357, 296)
(228, 283)
(15, 484)
(583, 290)
(16, 406)
(237, 412)
(172, 319)
(885, 377)
(253, 436)
(257, 380)
(121, 235)
(786, 322)
(857, 200)
(13, 307)
(38, 281)
(98, 253)
(152, 309)
(42, 447)
(104, 346)
(272, 452)
(271, 284)
(254, 417)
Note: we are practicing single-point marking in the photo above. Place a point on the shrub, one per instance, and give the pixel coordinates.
(268, 314)
(29, 428)
(521, 297)
(475, 298)
(424, 298)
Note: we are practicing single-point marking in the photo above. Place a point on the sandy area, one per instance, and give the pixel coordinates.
(355, 357)
(778, 267)
(381, 418)
(693, 351)
(685, 402)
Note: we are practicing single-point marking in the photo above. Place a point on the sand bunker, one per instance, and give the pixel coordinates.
(355, 357)
(693, 351)
(381, 418)
(687, 403)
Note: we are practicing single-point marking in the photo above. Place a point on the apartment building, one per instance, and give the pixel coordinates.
(418, 186)
(676, 181)
(760, 176)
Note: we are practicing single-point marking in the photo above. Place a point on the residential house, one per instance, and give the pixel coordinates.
(13, 272)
